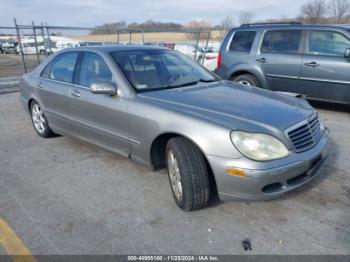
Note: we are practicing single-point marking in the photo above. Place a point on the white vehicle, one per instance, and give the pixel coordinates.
(9, 47)
(28, 48)
(211, 60)
(65, 44)
(57, 46)
(190, 50)
(48, 49)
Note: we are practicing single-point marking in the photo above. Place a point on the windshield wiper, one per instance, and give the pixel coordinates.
(190, 83)
(207, 80)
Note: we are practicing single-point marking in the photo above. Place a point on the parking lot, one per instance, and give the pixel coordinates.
(63, 196)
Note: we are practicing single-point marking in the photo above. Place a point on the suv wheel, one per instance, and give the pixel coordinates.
(188, 174)
(246, 79)
(39, 121)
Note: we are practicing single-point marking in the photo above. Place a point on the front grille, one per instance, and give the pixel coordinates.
(306, 135)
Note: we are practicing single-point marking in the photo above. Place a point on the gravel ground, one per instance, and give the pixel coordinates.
(62, 196)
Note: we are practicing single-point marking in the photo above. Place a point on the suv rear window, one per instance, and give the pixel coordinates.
(242, 41)
(281, 41)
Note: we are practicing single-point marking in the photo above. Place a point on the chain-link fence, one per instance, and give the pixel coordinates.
(23, 47)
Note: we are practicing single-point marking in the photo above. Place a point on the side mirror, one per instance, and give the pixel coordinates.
(103, 88)
(347, 53)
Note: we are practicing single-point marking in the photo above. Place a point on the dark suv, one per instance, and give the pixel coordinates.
(308, 59)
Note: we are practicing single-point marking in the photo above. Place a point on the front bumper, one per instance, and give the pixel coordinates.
(266, 180)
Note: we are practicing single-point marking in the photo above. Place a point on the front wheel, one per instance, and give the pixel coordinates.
(246, 79)
(188, 174)
(39, 121)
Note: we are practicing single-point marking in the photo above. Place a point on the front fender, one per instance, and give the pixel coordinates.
(147, 122)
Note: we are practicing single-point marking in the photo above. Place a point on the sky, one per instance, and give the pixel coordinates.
(97, 12)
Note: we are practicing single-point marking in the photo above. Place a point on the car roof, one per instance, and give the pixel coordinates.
(115, 48)
(292, 26)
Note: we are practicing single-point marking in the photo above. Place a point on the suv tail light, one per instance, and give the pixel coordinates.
(219, 61)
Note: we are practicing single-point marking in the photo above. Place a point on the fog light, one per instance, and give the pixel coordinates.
(235, 172)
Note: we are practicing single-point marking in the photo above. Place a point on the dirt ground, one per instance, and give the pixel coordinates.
(11, 64)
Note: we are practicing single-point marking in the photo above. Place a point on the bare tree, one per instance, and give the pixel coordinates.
(314, 11)
(246, 17)
(339, 10)
(199, 24)
(226, 23)
(110, 28)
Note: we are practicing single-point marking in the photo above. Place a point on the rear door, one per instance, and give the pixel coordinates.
(325, 72)
(101, 119)
(239, 51)
(280, 58)
(53, 88)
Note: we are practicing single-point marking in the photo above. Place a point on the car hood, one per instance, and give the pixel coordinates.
(234, 105)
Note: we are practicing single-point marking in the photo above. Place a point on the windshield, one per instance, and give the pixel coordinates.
(149, 70)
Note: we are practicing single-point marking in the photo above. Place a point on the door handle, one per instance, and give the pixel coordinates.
(41, 84)
(261, 60)
(75, 93)
(312, 64)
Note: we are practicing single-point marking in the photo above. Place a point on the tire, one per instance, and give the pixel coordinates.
(190, 173)
(246, 79)
(39, 121)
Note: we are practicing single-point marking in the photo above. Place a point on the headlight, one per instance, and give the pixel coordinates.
(258, 146)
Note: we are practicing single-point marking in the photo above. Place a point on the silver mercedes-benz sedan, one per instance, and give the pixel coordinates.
(159, 108)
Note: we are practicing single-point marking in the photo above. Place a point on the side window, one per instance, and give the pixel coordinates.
(242, 41)
(327, 43)
(281, 41)
(46, 72)
(63, 67)
(93, 69)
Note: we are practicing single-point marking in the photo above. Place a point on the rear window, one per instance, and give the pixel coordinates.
(242, 41)
(63, 67)
(46, 72)
(281, 41)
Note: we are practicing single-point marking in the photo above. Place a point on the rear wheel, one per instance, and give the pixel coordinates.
(39, 121)
(246, 79)
(188, 174)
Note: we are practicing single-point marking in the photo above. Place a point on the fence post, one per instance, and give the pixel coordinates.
(36, 43)
(20, 45)
(48, 37)
(43, 36)
(118, 36)
(129, 37)
(198, 36)
(143, 37)
(206, 47)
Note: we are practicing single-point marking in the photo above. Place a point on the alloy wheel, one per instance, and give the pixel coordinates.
(38, 119)
(174, 175)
